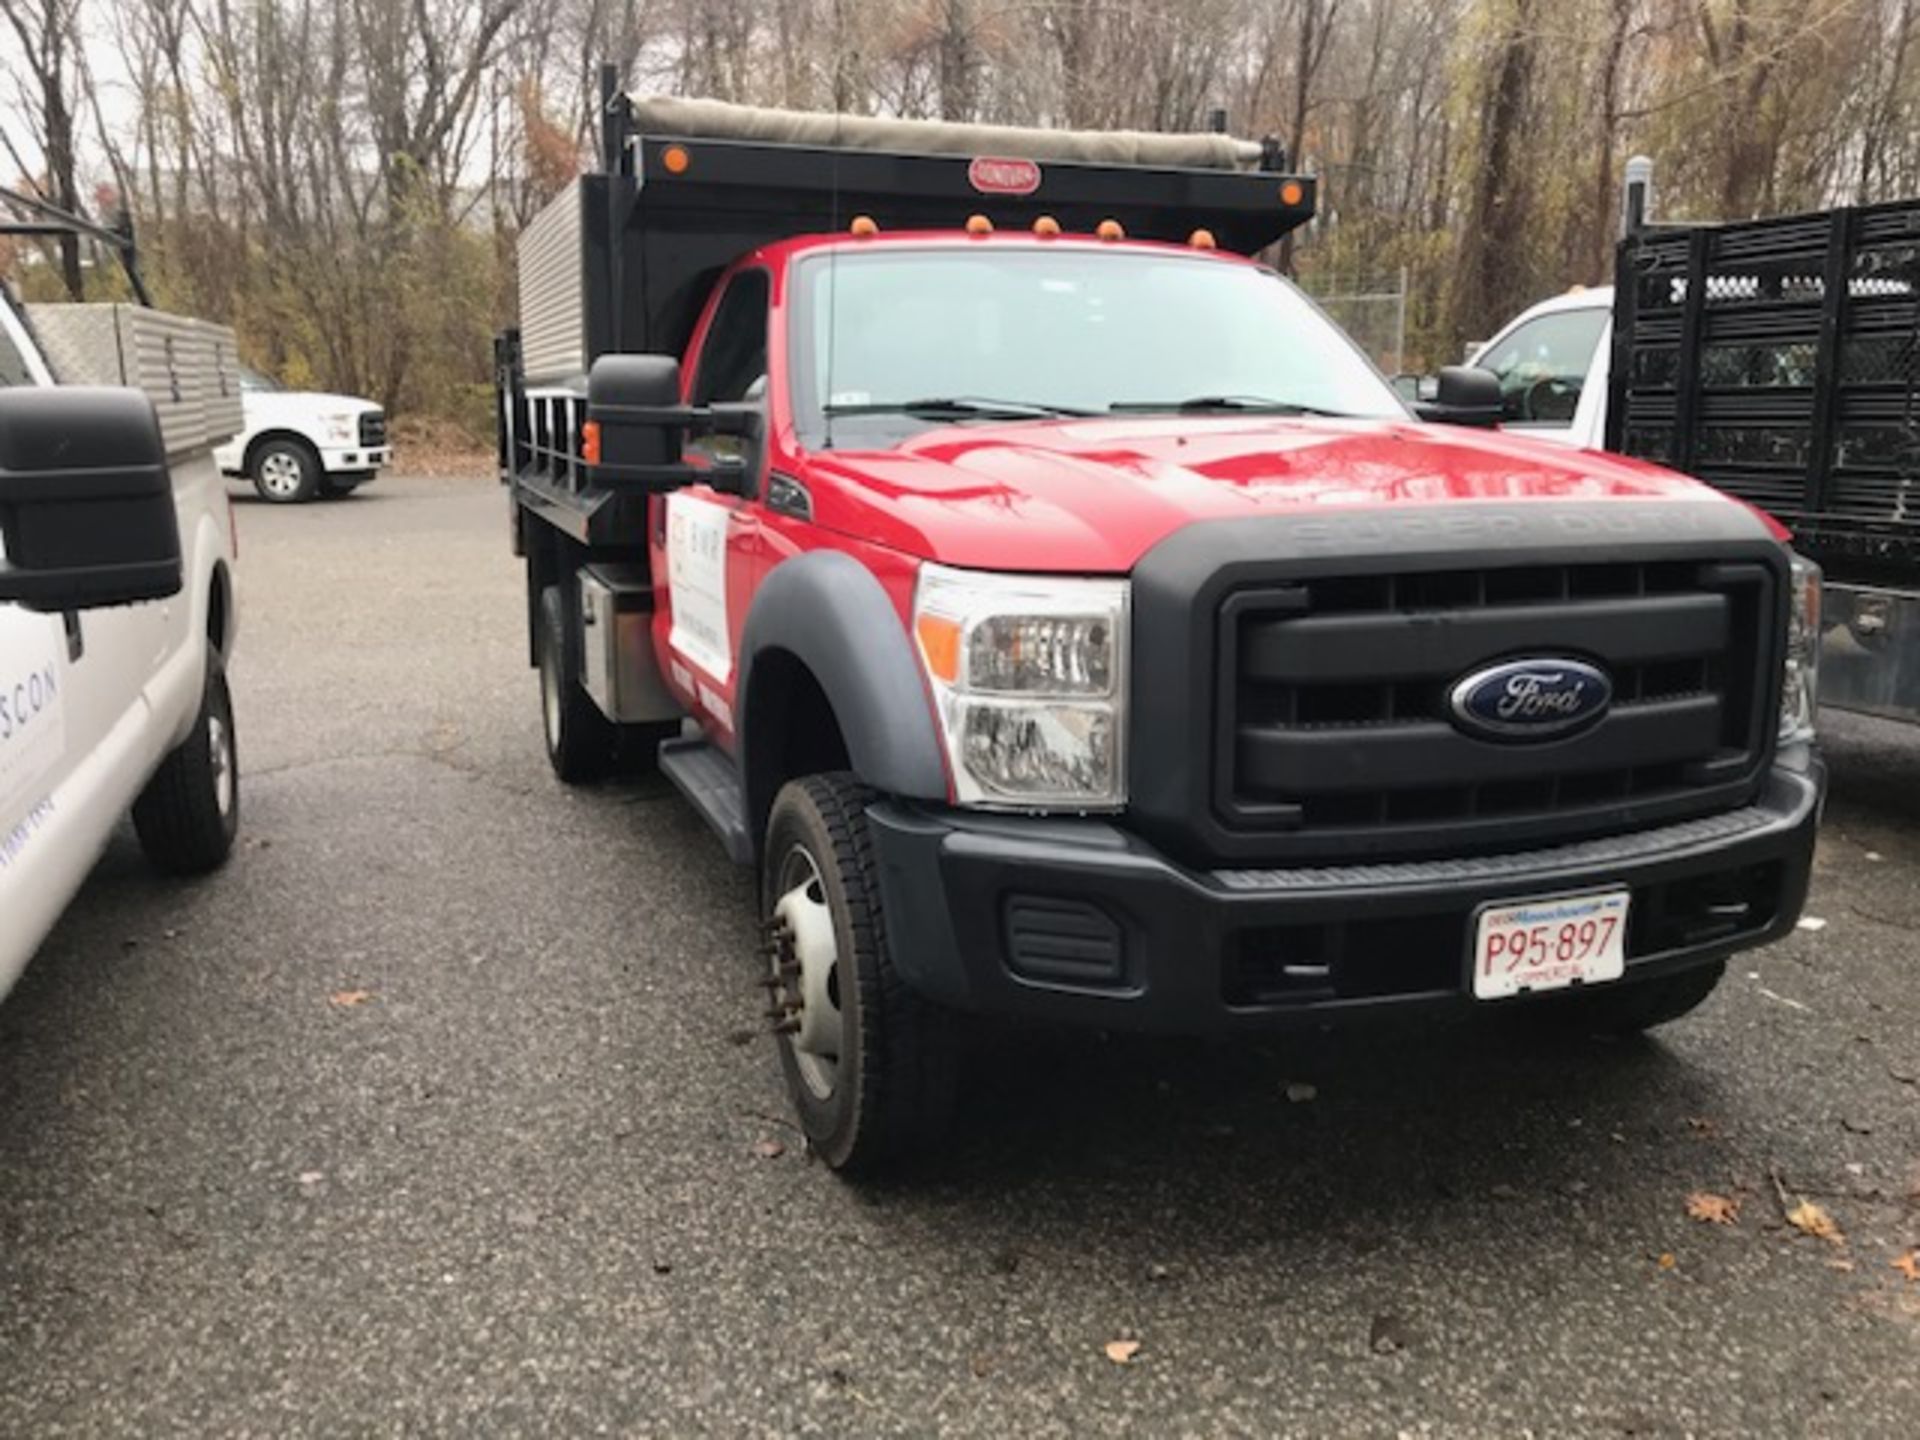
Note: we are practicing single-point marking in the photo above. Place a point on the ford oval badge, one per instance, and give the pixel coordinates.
(1533, 699)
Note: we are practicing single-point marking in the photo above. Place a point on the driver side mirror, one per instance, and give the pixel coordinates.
(86, 502)
(1463, 395)
(639, 427)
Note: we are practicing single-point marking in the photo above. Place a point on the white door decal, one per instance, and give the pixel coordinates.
(697, 583)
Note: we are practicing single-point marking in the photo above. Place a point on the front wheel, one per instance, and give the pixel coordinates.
(187, 816)
(285, 472)
(871, 1067)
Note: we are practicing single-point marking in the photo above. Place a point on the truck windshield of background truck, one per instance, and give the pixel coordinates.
(1015, 333)
(1542, 365)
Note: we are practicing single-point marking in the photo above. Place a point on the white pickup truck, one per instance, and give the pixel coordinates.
(298, 444)
(1552, 363)
(116, 605)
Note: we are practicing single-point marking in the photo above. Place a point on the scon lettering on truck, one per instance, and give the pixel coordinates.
(1064, 620)
(27, 698)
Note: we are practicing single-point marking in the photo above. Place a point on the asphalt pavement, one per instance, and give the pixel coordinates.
(441, 1110)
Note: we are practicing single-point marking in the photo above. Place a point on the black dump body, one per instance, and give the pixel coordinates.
(672, 229)
(1779, 360)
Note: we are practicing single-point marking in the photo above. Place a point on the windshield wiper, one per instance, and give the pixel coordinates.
(961, 407)
(1201, 404)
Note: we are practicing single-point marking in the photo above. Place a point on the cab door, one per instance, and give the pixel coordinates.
(707, 542)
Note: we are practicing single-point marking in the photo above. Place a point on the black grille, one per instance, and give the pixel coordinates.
(1335, 736)
(373, 428)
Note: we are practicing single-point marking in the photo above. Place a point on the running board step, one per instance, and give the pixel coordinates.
(711, 783)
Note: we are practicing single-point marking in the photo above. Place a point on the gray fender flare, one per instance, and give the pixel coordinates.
(827, 611)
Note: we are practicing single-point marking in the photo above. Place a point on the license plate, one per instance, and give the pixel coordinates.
(1529, 945)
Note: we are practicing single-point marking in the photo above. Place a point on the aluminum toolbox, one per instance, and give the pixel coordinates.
(188, 367)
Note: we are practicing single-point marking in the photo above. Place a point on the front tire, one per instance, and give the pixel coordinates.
(189, 813)
(285, 472)
(871, 1067)
(580, 740)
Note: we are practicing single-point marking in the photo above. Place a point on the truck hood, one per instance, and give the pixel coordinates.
(286, 406)
(1093, 496)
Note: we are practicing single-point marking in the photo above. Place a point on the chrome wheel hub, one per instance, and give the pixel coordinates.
(220, 755)
(806, 983)
(280, 474)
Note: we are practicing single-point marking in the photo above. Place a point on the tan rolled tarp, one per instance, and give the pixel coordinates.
(718, 120)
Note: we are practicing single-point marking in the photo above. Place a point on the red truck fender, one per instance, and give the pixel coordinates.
(823, 617)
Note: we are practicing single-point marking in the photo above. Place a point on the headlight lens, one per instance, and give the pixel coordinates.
(340, 428)
(1029, 678)
(1800, 681)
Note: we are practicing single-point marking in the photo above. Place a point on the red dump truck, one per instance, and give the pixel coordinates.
(1068, 622)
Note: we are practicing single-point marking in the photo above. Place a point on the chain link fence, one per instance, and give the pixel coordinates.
(1372, 309)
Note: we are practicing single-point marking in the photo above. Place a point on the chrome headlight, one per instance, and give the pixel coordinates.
(1799, 685)
(1029, 679)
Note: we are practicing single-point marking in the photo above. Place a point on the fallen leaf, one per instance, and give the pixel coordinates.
(1812, 922)
(347, 999)
(1700, 1124)
(1299, 1091)
(1387, 1335)
(1666, 1260)
(1121, 1352)
(1841, 1263)
(1713, 1209)
(1907, 1264)
(769, 1149)
(981, 1365)
(1810, 1219)
(1854, 1126)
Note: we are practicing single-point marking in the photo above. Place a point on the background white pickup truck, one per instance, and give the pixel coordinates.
(297, 444)
(1552, 362)
(116, 602)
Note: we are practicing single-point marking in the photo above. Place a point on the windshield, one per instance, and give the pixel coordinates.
(888, 344)
(1542, 365)
(251, 379)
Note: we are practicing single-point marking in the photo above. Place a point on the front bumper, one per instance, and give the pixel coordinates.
(352, 458)
(1078, 921)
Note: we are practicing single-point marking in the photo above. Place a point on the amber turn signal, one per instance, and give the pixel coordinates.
(864, 225)
(1046, 225)
(590, 442)
(1201, 240)
(979, 225)
(675, 159)
(940, 643)
(1110, 230)
(1292, 193)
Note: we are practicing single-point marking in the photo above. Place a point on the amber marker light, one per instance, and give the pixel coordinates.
(1292, 193)
(1110, 230)
(675, 159)
(590, 442)
(979, 225)
(863, 226)
(1046, 225)
(940, 645)
(1201, 240)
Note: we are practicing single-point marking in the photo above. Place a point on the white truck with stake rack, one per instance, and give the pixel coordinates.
(116, 599)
